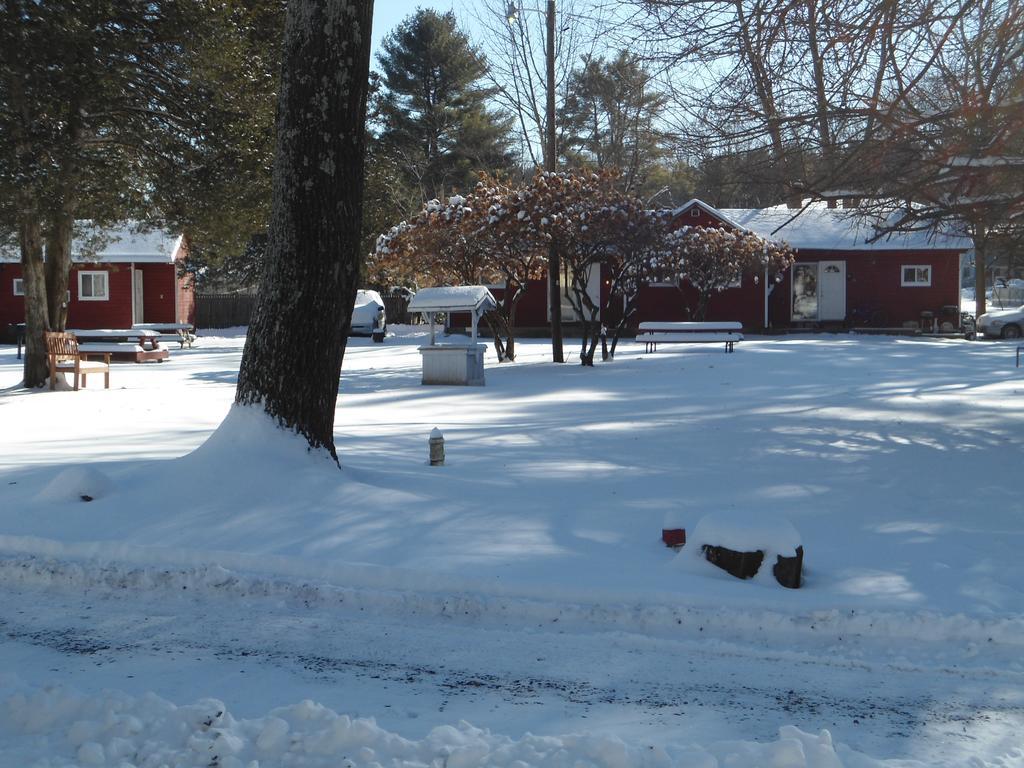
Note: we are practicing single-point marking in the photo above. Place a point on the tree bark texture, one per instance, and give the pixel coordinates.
(58, 266)
(703, 299)
(980, 278)
(44, 225)
(30, 239)
(46, 283)
(291, 364)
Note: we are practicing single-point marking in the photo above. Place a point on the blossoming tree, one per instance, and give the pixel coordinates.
(713, 259)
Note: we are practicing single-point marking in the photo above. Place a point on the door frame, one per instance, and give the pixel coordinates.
(138, 296)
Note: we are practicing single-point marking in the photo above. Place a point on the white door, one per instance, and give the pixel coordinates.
(137, 309)
(832, 290)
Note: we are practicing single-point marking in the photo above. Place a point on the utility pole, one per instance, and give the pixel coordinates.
(550, 164)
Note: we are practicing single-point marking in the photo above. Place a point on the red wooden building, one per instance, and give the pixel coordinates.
(130, 276)
(844, 275)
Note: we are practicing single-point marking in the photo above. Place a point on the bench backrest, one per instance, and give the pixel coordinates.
(62, 345)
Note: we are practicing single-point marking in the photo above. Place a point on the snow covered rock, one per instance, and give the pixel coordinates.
(82, 483)
(740, 541)
(747, 530)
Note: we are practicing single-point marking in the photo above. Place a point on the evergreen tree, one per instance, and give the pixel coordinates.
(610, 118)
(213, 181)
(387, 195)
(106, 113)
(434, 118)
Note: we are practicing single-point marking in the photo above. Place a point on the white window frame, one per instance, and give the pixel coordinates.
(92, 275)
(904, 283)
(18, 286)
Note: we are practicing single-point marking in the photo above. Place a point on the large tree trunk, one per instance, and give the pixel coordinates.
(703, 299)
(30, 236)
(46, 281)
(511, 301)
(61, 227)
(980, 282)
(58, 267)
(291, 365)
(591, 335)
(628, 310)
(495, 322)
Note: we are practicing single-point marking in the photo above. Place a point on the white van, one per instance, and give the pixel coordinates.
(368, 314)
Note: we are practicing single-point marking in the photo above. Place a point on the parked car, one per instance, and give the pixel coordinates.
(1003, 323)
(368, 314)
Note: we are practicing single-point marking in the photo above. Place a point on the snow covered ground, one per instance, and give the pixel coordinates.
(522, 587)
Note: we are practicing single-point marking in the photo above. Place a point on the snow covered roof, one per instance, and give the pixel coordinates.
(835, 229)
(128, 243)
(453, 298)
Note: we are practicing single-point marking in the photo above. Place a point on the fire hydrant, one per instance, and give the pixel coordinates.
(436, 448)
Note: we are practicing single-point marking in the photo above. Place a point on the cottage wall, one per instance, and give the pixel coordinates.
(874, 290)
(115, 311)
(159, 287)
(656, 302)
(166, 298)
(744, 304)
(12, 308)
(532, 309)
(185, 300)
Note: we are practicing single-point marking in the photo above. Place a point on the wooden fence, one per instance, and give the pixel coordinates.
(396, 308)
(224, 310)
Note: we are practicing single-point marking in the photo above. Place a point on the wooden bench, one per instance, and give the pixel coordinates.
(64, 355)
(651, 334)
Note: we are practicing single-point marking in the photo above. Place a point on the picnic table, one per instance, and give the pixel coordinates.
(138, 345)
(181, 333)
